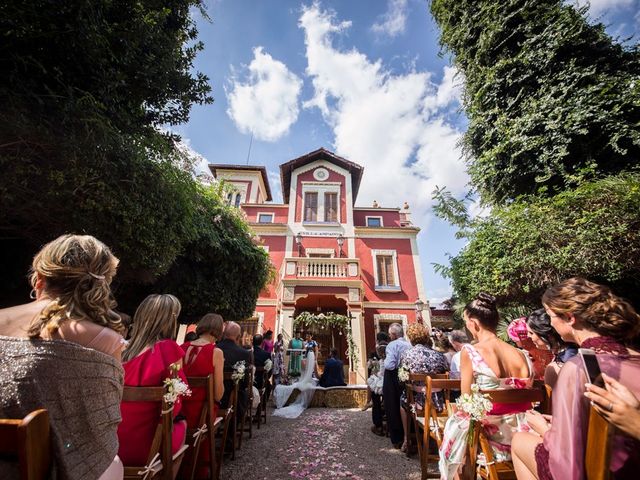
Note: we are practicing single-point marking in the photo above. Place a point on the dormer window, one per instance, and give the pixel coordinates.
(321, 202)
(311, 207)
(374, 221)
(330, 207)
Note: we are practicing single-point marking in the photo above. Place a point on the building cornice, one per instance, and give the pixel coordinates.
(376, 209)
(390, 305)
(386, 232)
(266, 205)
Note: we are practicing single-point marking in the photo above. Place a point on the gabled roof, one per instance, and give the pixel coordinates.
(252, 168)
(321, 154)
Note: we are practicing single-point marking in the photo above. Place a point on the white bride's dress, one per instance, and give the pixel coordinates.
(306, 385)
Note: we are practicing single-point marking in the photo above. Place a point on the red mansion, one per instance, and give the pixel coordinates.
(329, 255)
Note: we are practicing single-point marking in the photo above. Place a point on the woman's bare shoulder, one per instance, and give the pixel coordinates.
(15, 321)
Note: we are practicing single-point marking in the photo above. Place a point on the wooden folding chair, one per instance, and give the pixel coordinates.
(246, 423)
(261, 412)
(160, 461)
(28, 441)
(230, 414)
(597, 460)
(204, 433)
(492, 470)
(426, 419)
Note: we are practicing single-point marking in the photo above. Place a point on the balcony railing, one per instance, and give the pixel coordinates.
(302, 267)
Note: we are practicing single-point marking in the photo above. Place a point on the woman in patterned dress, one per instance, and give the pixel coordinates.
(422, 359)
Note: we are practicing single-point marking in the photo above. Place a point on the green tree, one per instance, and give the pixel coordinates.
(551, 99)
(520, 249)
(86, 86)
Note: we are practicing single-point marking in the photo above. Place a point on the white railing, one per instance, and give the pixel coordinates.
(322, 267)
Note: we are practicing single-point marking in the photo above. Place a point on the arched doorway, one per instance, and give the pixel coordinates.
(326, 337)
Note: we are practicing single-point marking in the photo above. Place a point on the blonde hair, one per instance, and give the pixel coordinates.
(77, 271)
(211, 323)
(418, 334)
(596, 306)
(156, 319)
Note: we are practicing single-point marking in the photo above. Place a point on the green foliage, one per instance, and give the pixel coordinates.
(522, 248)
(86, 87)
(552, 101)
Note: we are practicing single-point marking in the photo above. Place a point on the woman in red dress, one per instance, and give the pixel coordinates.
(202, 358)
(151, 357)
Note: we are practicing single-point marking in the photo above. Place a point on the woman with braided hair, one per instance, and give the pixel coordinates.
(593, 317)
(62, 352)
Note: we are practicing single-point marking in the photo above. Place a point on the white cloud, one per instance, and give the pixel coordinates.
(393, 125)
(266, 104)
(393, 22)
(597, 7)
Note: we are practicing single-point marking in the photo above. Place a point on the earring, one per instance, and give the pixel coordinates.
(33, 295)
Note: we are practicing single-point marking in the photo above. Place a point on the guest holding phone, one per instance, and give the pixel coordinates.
(617, 404)
(593, 317)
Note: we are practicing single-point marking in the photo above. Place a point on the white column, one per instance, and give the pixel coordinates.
(357, 330)
(287, 322)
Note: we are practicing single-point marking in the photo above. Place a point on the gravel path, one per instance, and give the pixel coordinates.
(322, 443)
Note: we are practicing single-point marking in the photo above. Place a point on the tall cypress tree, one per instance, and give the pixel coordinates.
(551, 99)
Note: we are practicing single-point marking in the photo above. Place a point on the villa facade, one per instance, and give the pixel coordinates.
(328, 254)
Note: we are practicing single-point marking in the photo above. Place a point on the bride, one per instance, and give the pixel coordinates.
(306, 386)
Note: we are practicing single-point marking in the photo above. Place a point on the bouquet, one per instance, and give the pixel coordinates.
(403, 374)
(268, 365)
(475, 405)
(176, 388)
(238, 371)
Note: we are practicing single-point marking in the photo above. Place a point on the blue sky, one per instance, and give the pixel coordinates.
(362, 78)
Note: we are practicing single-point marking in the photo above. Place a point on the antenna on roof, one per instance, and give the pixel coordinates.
(249, 152)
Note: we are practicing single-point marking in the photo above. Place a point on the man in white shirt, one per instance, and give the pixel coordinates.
(457, 338)
(391, 390)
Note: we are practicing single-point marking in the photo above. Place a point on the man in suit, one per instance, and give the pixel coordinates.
(234, 353)
(260, 356)
(333, 374)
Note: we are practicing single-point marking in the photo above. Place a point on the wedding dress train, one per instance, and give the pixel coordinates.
(306, 386)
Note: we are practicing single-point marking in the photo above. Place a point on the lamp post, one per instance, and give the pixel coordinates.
(299, 243)
(419, 308)
(340, 241)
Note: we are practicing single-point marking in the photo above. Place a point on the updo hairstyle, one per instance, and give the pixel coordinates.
(418, 334)
(596, 306)
(483, 309)
(77, 271)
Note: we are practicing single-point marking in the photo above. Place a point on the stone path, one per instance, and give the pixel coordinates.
(321, 444)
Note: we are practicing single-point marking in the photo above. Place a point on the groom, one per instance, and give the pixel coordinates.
(333, 374)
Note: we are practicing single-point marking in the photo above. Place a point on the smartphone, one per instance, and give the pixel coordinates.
(591, 366)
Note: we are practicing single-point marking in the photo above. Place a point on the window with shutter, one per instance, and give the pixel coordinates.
(330, 207)
(311, 207)
(386, 277)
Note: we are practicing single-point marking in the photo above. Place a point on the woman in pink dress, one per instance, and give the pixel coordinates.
(151, 357)
(490, 364)
(591, 316)
(71, 278)
(267, 343)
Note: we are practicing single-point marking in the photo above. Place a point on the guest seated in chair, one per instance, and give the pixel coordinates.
(151, 357)
(72, 304)
(260, 356)
(201, 359)
(333, 375)
(234, 353)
